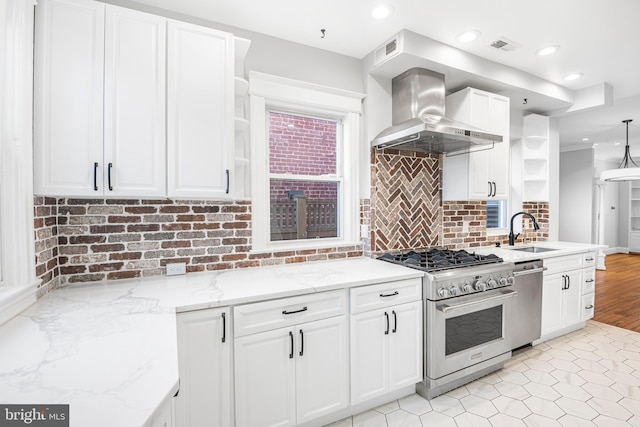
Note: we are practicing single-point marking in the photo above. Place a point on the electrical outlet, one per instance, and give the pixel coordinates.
(176, 269)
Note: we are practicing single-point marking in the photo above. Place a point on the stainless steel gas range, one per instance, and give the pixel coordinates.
(467, 298)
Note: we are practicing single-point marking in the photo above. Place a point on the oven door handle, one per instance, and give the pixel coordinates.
(446, 308)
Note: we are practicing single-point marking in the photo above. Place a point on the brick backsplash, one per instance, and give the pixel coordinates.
(464, 224)
(80, 240)
(405, 208)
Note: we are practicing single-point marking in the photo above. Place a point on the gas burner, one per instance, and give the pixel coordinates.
(437, 259)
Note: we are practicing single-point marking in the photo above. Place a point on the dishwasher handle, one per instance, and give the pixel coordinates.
(531, 271)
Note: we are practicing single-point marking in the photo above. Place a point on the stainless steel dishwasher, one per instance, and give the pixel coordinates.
(526, 309)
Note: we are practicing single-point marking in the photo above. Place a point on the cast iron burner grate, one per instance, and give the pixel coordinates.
(431, 260)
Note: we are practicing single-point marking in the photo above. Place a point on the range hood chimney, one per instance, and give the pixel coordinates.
(419, 122)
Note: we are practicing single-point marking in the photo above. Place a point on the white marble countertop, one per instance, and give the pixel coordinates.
(109, 349)
(508, 254)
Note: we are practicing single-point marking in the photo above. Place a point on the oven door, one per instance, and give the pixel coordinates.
(466, 330)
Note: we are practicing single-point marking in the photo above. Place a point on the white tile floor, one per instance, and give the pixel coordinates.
(590, 377)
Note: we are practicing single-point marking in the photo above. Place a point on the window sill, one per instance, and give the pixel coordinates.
(295, 245)
(14, 300)
(497, 231)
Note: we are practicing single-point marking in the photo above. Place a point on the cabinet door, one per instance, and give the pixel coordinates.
(552, 295)
(369, 355)
(406, 345)
(68, 107)
(134, 88)
(265, 379)
(499, 156)
(204, 364)
(322, 368)
(200, 111)
(572, 299)
(480, 116)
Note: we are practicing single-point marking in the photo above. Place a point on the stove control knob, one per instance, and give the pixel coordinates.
(466, 288)
(479, 285)
(511, 280)
(492, 284)
(453, 291)
(442, 293)
(503, 281)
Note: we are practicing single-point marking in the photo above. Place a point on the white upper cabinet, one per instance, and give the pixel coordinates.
(68, 108)
(484, 174)
(200, 112)
(99, 100)
(134, 100)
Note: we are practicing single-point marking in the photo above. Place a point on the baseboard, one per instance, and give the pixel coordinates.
(616, 250)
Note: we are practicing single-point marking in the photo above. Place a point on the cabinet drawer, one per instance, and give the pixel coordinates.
(588, 280)
(588, 303)
(371, 297)
(264, 316)
(589, 259)
(563, 263)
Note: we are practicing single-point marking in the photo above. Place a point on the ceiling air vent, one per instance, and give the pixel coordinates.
(505, 45)
(389, 49)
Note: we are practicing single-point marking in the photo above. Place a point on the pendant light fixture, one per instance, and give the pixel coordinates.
(624, 172)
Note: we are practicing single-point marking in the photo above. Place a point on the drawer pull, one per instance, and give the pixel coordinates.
(589, 281)
(588, 259)
(589, 307)
(389, 295)
(294, 312)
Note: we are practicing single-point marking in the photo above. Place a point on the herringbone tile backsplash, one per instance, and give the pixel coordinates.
(405, 200)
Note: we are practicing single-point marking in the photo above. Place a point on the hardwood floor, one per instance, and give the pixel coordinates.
(618, 292)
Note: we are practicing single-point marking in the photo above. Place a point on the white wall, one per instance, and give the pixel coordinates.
(611, 209)
(280, 57)
(576, 196)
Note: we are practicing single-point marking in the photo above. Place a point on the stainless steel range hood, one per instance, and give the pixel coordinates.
(419, 122)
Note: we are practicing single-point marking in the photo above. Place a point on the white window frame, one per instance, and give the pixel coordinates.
(268, 92)
(18, 282)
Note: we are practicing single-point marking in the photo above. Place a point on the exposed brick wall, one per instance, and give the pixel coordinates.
(104, 239)
(405, 200)
(365, 220)
(302, 146)
(46, 243)
(540, 211)
(464, 224)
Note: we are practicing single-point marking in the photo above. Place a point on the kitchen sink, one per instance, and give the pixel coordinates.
(534, 249)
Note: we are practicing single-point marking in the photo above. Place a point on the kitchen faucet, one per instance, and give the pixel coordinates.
(511, 236)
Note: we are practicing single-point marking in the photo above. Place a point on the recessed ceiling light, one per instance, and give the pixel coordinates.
(595, 144)
(547, 50)
(585, 139)
(573, 76)
(616, 143)
(381, 11)
(468, 36)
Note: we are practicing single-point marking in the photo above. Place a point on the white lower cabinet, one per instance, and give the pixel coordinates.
(561, 301)
(293, 374)
(164, 415)
(386, 350)
(386, 338)
(567, 293)
(204, 365)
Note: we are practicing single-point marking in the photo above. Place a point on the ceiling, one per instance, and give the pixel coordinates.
(600, 39)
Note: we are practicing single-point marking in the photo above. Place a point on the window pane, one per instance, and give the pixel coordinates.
(497, 214)
(303, 209)
(301, 145)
